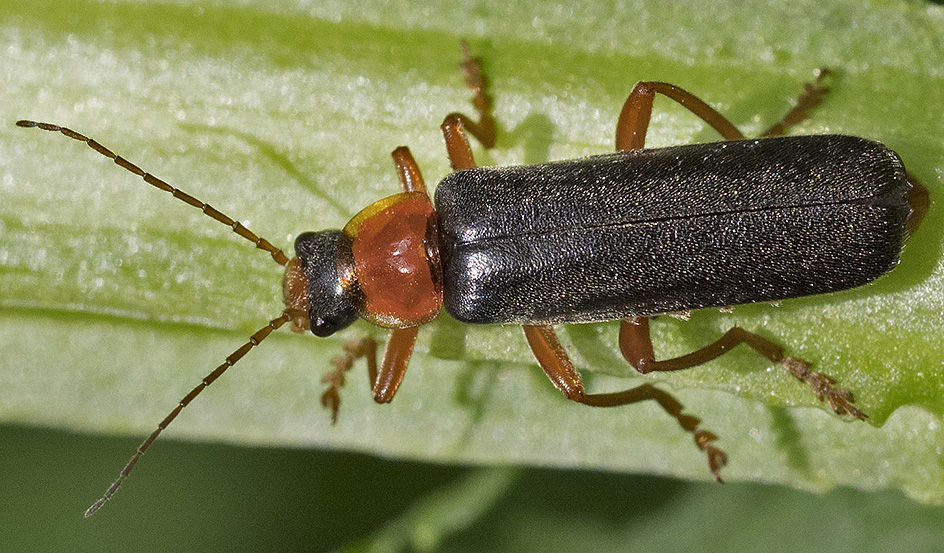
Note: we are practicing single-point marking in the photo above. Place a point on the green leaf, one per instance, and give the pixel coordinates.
(116, 299)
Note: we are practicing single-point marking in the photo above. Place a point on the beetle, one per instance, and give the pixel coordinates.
(628, 235)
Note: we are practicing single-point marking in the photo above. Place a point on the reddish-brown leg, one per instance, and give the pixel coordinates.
(457, 144)
(411, 179)
(556, 364)
(353, 350)
(455, 125)
(385, 380)
(484, 129)
(636, 346)
(395, 360)
(635, 341)
(813, 93)
(634, 118)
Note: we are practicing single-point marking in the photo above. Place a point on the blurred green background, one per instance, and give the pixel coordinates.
(208, 497)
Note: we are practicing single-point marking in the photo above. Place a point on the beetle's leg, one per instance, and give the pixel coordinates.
(455, 125)
(637, 111)
(457, 144)
(355, 349)
(395, 360)
(556, 364)
(484, 129)
(636, 346)
(383, 382)
(411, 179)
(811, 97)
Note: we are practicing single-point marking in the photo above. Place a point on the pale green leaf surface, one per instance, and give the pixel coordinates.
(116, 299)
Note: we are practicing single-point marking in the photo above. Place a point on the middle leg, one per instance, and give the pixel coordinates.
(484, 129)
(637, 111)
(455, 125)
(558, 367)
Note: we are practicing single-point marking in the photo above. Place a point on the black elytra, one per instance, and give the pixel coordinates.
(672, 229)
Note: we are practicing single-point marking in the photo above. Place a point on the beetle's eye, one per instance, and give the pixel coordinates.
(323, 328)
(335, 319)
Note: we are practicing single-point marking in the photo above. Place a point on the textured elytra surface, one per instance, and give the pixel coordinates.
(670, 229)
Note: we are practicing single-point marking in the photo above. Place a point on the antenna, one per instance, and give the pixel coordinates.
(254, 340)
(277, 254)
(208, 210)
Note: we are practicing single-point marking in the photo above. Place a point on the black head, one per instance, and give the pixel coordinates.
(334, 299)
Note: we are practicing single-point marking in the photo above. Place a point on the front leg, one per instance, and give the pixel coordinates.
(353, 350)
(385, 381)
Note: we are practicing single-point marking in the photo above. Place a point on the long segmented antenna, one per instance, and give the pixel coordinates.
(208, 210)
(254, 340)
(277, 254)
